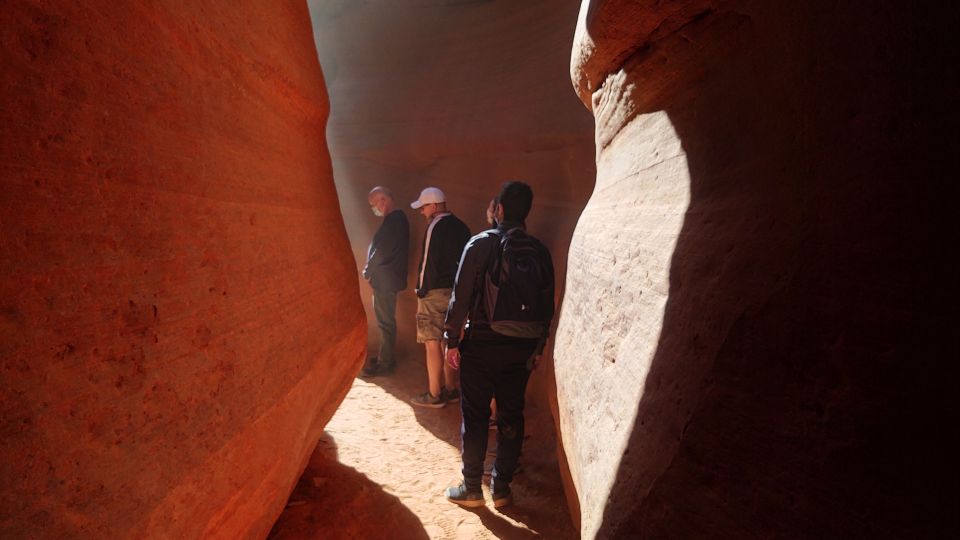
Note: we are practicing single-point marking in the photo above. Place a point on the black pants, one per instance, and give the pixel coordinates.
(492, 368)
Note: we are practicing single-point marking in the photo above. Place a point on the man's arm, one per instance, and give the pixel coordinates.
(374, 257)
(371, 252)
(386, 244)
(464, 288)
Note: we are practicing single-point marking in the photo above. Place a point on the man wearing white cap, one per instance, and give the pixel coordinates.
(443, 243)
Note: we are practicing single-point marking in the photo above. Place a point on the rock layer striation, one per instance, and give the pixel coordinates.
(178, 311)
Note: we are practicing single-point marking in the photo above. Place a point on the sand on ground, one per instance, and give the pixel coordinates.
(381, 467)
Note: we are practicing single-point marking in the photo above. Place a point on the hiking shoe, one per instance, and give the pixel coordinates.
(452, 396)
(427, 399)
(501, 498)
(462, 496)
(377, 370)
(369, 367)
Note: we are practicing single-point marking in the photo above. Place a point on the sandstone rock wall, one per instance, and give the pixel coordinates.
(178, 312)
(753, 339)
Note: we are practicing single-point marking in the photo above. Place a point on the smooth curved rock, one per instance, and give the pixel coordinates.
(178, 315)
(605, 38)
(753, 339)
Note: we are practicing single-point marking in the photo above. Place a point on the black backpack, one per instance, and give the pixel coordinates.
(516, 286)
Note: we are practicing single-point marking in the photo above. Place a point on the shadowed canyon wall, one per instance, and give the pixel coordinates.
(753, 338)
(178, 310)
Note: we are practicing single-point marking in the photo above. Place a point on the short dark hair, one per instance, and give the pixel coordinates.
(515, 198)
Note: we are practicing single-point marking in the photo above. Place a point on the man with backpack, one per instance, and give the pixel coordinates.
(502, 306)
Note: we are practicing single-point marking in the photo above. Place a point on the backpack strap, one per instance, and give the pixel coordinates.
(503, 239)
(480, 284)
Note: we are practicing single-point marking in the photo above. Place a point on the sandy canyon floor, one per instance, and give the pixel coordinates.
(381, 467)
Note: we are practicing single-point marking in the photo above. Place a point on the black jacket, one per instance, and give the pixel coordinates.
(386, 267)
(465, 303)
(447, 238)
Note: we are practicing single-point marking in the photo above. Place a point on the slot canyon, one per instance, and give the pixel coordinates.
(746, 202)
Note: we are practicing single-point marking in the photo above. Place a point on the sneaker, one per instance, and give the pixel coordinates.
(377, 370)
(460, 495)
(386, 369)
(369, 367)
(501, 498)
(452, 396)
(427, 399)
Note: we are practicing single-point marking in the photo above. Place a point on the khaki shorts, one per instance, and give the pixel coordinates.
(431, 311)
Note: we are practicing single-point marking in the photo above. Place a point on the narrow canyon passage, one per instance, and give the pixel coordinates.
(748, 204)
(381, 466)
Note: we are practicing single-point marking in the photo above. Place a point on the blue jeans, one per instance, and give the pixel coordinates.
(492, 368)
(385, 310)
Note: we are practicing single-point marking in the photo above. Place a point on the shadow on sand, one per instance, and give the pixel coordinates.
(332, 501)
(538, 479)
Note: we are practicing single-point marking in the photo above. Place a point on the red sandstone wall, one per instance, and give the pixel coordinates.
(178, 314)
(754, 337)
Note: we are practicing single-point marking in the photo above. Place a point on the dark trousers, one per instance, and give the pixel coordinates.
(492, 368)
(385, 310)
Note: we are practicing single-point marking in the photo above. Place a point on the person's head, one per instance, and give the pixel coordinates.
(492, 212)
(514, 202)
(380, 200)
(431, 202)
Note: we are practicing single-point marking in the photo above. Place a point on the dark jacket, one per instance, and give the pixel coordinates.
(465, 303)
(386, 267)
(447, 236)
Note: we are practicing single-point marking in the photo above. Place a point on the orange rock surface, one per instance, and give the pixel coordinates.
(179, 315)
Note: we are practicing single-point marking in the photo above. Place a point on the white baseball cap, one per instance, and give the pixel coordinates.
(428, 196)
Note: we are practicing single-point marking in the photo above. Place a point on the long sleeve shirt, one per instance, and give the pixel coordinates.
(386, 267)
(443, 243)
(466, 301)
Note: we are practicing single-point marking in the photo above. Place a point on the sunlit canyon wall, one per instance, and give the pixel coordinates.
(178, 310)
(754, 338)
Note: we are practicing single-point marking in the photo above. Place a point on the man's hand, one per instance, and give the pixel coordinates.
(453, 358)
